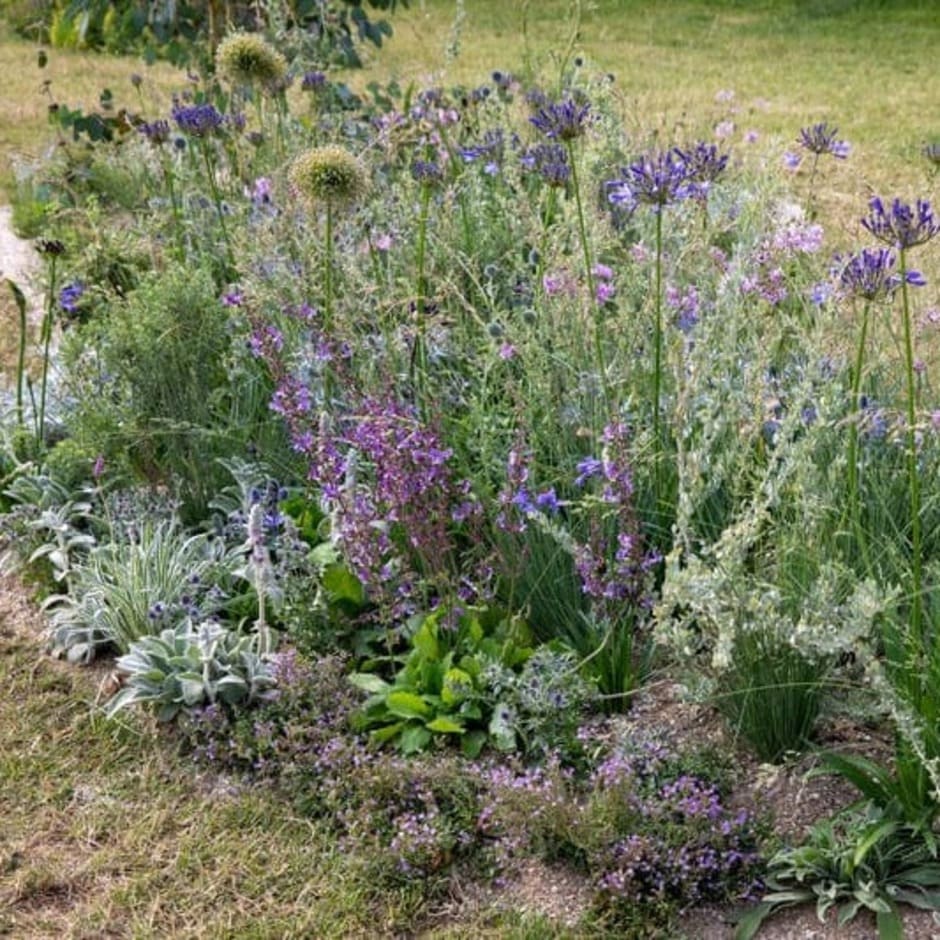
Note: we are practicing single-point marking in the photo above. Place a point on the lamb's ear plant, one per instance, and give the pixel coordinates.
(191, 666)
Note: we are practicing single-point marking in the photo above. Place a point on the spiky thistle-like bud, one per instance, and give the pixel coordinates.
(248, 59)
(329, 175)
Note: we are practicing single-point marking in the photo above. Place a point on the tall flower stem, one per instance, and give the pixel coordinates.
(45, 337)
(658, 331)
(855, 507)
(217, 199)
(917, 608)
(175, 207)
(419, 360)
(328, 270)
(589, 275)
(20, 301)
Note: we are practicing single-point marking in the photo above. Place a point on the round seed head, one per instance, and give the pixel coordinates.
(248, 59)
(330, 175)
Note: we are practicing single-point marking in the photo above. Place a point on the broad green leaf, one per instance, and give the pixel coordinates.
(445, 725)
(750, 923)
(342, 585)
(407, 704)
(457, 686)
(889, 924)
(193, 691)
(425, 640)
(414, 739)
(386, 734)
(369, 682)
(871, 838)
(472, 743)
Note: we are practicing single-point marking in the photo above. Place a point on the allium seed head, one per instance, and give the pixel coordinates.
(328, 174)
(248, 59)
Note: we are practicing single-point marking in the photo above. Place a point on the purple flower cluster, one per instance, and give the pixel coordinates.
(821, 138)
(562, 120)
(613, 565)
(666, 177)
(70, 295)
(901, 225)
(656, 180)
(550, 161)
(516, 499)
(869, 274)
(200, 120)
(387, 483)
(156, 132)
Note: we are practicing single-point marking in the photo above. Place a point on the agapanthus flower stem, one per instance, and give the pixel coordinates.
(854, 500)
(217, 199)
(600, 361)
(419, 360)
(917, 600)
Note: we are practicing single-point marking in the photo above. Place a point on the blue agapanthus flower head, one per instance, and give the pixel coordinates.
(870, 274)
(703, 162)
(562, 120)
(821, 138)
(657, 180)
(901, 225)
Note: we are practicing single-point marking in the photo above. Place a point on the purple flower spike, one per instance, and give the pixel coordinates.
(902, 225)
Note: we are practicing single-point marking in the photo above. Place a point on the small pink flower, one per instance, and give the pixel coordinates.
(383, 242)
(604, 291)
(507, 351)
(724, 129)
(639, 253)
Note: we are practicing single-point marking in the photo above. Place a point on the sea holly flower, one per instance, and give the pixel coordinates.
(901, 225)
(821, 138)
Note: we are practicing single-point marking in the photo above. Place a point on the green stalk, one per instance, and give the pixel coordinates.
(658, 333)
(20, 300)
(855, 507)
(174, 204)
(589, 274)
(913, 477)
(45, 337)
(419, 359)
(328, 270)
(217, 199)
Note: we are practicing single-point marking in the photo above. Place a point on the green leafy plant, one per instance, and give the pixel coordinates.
(864, 858)
(125, 590)
(191, 666)
(771, 693)
(439, 689)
